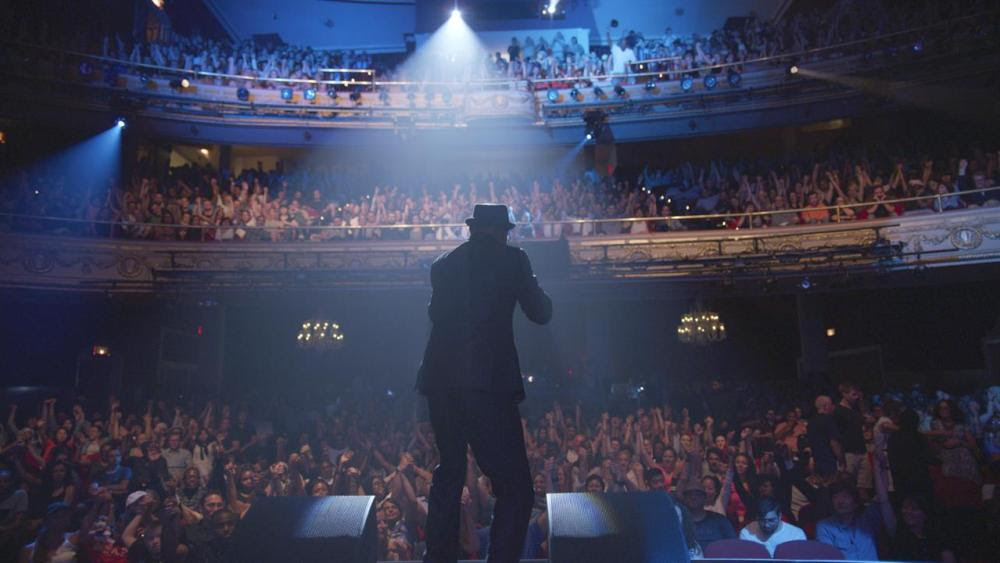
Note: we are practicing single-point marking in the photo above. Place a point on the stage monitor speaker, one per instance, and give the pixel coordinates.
(307, 529)
(603, 527)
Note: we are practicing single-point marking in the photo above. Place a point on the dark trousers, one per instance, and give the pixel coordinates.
(492, 426)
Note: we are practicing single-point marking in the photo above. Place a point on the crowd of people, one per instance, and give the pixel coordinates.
(328, 204)
(215, 61)
(899, 475)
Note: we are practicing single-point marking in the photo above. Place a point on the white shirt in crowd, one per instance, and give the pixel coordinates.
(620, 58)
(785, 533)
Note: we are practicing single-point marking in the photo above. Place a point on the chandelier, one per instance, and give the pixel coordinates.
(701, 327)
(320, 335)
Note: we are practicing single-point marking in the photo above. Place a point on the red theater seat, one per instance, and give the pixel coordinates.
(808, 550)
(735, 549)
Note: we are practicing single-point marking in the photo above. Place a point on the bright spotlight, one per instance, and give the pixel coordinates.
(651, 85)
(309, 94)
(589, 136)
(159, 3)
(204, 152)
(553, 95)
(120, 122)
(687, 83)
(711, 81)
(918, 47)
(286, 94)
(456, 13)
(805, 283)
(794, 69)
(185, 83)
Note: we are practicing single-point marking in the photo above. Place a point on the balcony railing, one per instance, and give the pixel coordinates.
(465, 99)
(541, 229)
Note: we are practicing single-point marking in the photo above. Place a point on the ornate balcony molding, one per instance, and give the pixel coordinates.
(93, 264)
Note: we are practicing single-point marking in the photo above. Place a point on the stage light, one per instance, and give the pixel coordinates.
(918, 47)
(309, 94)
(143, 78)
(831, 332)
(185, 83)
(651, 85)
(575, 94)
(204, 152)
(286, 94)
(242, 94)
(687, 83)
(805, 283)
(620, 91)
(598, 93)
(794, 69)
(456, 13)
(710, 81)
(120, 122)
(99, 351)
(159, 3)
(589, 136)
(553, 95)
(734, 78)
(331, 93)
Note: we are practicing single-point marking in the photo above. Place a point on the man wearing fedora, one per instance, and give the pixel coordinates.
(472, 380)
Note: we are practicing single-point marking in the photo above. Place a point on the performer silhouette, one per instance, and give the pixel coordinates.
(472, 380)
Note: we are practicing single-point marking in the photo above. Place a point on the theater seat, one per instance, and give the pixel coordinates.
(735, 549)
(808, 550)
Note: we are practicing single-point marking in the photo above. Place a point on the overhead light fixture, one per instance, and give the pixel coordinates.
(100, 351)
(204, 152)
(553, 95)
(120, 123)
(702, 327)
(710, 81)
(456, 13)
(320, 335)
(287, 94)
(159, 3)
(309, 94)
(185, 83)
(831, 332)
(687, 83)
(794, 69)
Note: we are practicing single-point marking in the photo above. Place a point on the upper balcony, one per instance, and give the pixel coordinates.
(654, 101)
(77, 255)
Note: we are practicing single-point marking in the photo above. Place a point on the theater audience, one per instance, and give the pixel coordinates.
(768, 529)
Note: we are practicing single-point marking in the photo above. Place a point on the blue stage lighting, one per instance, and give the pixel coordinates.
(309, 94)
(651, 85)
(575, 94)
(242, 94)
(589, 136)
(710, 81)
(331, 93)
(286, 94)
(687, 83)
(734, 78)
(553, 95)
(918, 47)
(120, 122)
(456, 13)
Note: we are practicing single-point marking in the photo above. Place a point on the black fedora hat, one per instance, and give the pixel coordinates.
(490, 215)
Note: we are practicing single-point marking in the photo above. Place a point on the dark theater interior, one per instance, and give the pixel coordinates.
(550, 281)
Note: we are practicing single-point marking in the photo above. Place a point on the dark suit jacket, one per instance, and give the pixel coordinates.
(475, 288)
